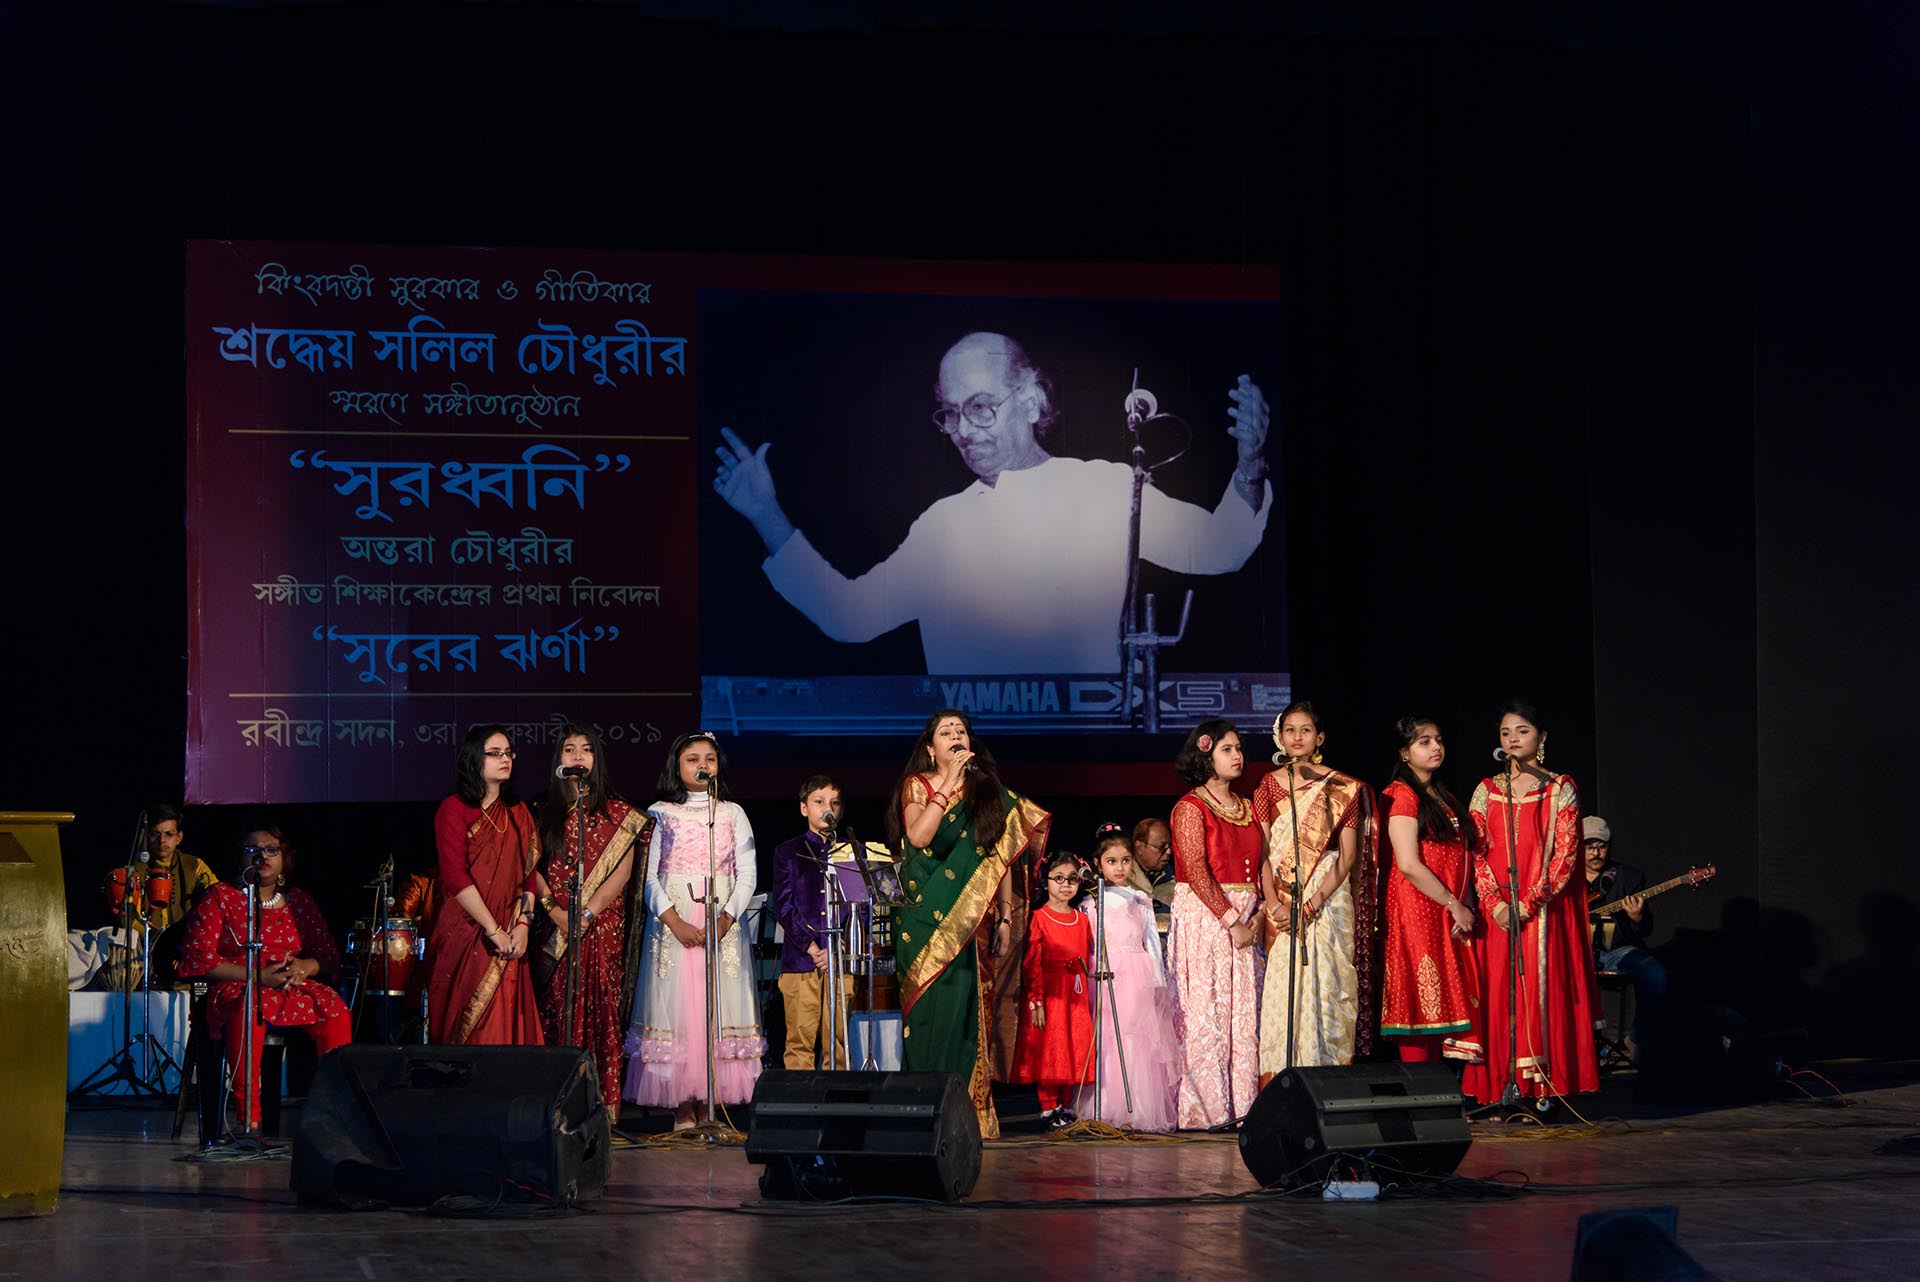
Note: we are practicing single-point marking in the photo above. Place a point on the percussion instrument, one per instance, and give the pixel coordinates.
(386, 952)
(116, 886)
(159, 887)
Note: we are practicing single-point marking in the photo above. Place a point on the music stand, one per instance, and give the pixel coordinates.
(866, 876)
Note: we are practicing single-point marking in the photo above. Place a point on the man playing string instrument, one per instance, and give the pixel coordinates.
(1620, 939)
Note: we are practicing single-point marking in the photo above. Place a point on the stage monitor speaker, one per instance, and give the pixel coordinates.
(409, 1125)
(827, 1136)
(1401, 1121)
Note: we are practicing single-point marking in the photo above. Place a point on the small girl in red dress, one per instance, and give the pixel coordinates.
(1055, 1046)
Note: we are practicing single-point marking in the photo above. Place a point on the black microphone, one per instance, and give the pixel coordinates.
(572, 772)
(702, 776)
(1501, 754)
(831, 820)
(973, 767)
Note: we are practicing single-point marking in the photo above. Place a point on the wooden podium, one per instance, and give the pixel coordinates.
(33, 1012)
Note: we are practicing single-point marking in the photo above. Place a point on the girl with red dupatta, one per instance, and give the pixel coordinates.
(615, 834)
(1215, 968)
(1430, 997)
(1538, 1035)
(481, 992)
(1055, 1045)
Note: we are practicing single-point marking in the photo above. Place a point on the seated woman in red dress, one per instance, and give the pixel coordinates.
(297, 948)
(482, 991)
(1430, 1000)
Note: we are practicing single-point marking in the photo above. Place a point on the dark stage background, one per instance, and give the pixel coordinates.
(1595, 384)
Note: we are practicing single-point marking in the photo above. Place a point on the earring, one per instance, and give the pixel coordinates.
(279, 879)
(1315, 758)
(1540, 757)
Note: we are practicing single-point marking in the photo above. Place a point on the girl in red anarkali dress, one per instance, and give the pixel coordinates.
(1055, 1044)
(296, 948)
(1430, 994)
(1536, 827)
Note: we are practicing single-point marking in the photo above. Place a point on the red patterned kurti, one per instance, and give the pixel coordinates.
(217, 932)
(1054, 972)
(599, 1022)
(1554, 1051)
(1430, 984)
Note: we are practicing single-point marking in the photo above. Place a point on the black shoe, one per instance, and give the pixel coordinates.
(1061, 1118)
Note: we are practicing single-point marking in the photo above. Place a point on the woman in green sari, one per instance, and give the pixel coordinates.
(960, 833)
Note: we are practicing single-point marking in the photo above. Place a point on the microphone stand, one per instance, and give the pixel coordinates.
(120, 1066)
(1293, 912)
(1143, 644)
(835, 936)
(1516, 955)
(250, 1006)
(1103, 975)
(708, 1130)
(574, 879)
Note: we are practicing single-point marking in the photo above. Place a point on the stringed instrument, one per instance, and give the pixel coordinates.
(1602, 924)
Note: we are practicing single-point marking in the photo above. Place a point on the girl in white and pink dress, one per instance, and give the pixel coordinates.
(667, 1036)
(1143, 1027)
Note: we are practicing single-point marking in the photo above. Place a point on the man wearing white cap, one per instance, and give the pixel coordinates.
(1620, 943)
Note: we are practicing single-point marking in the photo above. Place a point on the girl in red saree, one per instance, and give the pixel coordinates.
(481, 992)
(1430, 997)
(614, 835)
(1539, 1036)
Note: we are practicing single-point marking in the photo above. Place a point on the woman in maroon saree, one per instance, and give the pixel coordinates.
(615, 835)
(482, 990)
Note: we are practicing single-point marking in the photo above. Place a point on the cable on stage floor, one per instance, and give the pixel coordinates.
(1092, 1131)
(240, 1150)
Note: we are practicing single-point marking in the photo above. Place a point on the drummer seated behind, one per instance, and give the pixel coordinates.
(800, 906)
(192, 878)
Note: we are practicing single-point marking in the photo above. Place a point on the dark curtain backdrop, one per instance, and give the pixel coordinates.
(1594, 384)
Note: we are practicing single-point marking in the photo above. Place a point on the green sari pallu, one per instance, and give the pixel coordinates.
(943, 940)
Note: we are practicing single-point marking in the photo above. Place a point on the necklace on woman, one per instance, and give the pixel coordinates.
(1225, 810)
(275, 902)
(493, 821)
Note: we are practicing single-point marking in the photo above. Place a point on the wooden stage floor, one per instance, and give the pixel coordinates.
(1789, 1190)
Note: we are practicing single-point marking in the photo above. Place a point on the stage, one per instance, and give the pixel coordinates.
(1784, 1190)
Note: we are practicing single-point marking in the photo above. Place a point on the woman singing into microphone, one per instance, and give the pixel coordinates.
(960, 834)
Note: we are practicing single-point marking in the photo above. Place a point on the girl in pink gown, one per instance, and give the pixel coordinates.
(1139, 1020)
